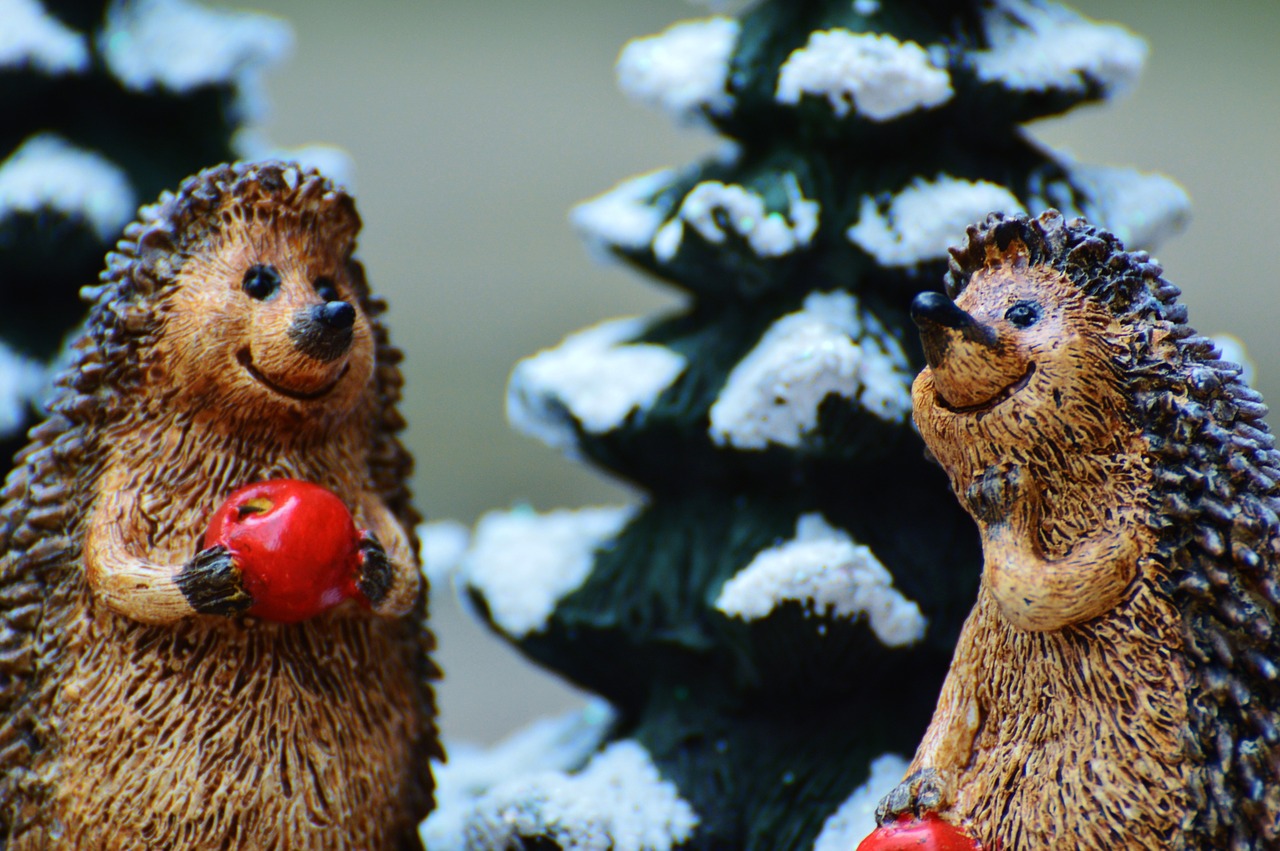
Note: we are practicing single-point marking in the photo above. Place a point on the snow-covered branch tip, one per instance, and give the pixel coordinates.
(925, 218)
(179, 45)
(524, 563)
(826, 571)
(555, 745)
(595, 378)
(877, 76)
(683, 70)
(829, 347)
(444, 545)
(1038, 45)
(31, 37)
(23, 381)
(1141, 209)
(618, 802)
(48, 172)
(623, 217)
(770, 233)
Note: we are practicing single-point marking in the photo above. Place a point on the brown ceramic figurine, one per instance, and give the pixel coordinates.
(1118, 682)
(232, 340)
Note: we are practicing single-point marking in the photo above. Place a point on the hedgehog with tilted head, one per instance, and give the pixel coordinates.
(232, 340)
(1117, 683)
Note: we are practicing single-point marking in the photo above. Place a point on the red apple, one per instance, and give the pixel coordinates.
(927, 833)
(295, 544)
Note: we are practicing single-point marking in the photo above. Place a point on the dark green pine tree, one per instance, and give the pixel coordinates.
(772, 624)
(105, 105)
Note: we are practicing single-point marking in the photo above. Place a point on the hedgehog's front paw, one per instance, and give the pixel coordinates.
(376, 571)
(211, 584)
(388, 584)
(994, 495)
(919, 793)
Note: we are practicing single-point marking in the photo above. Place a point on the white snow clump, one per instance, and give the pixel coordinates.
(829, 347)
(927, 217)
(1037, 45)
(823, 568)
(180, 45)
(683, 70)
(879, 76)
(31, 36)
(856, 818)
(1141, 209)
(22, 381)
(623, 216)
(595, 376)
(547, 745)
(47, 171)
(443, 545)
(524, 563)
(618, 802)
(770, 234)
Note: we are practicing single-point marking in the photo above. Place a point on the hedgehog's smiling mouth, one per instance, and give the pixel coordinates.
(246, 360)
(1000, 396)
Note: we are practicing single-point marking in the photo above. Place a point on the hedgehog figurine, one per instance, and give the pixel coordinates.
(1117, 684)
(232, 340)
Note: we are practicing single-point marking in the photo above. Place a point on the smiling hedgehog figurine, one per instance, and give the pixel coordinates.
(232, 340)
(1117, 684)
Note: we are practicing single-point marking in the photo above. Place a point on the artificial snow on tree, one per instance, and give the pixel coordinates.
(106, 103)
(772, 623)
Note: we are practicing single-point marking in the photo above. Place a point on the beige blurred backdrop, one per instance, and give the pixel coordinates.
(476, 124)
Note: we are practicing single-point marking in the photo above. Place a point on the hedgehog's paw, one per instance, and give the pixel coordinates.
(997, 492)
(920, 792)
(387, 586)
(376, 571)
(210, 582)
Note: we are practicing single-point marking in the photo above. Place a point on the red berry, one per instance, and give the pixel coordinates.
(295, 544)
(927, 833)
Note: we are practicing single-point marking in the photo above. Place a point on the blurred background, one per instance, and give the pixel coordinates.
(475, 125)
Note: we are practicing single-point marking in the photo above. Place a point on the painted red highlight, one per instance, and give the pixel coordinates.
(296, 546)
(927, 833)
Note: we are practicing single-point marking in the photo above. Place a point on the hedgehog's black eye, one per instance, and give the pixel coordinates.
(1023, 314)
(326, 288)
(261, 282)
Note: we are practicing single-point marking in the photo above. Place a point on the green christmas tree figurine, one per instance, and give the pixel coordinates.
(770, 626)
(105, 104)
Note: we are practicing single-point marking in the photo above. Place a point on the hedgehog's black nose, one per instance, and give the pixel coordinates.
(935, 308)
(323, 331)
(337, 314)
(941, 321)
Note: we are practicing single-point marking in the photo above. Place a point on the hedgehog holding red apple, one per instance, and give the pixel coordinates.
(211, 616)
(1118, 682)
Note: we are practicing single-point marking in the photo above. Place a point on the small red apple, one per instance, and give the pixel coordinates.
(927, 833)
(295, 544)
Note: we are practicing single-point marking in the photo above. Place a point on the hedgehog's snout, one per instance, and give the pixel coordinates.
(942, 322)
(323, 331)
(972, 367)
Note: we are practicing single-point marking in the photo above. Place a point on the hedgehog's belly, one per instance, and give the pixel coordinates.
(214, 734)
(1081, 741)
